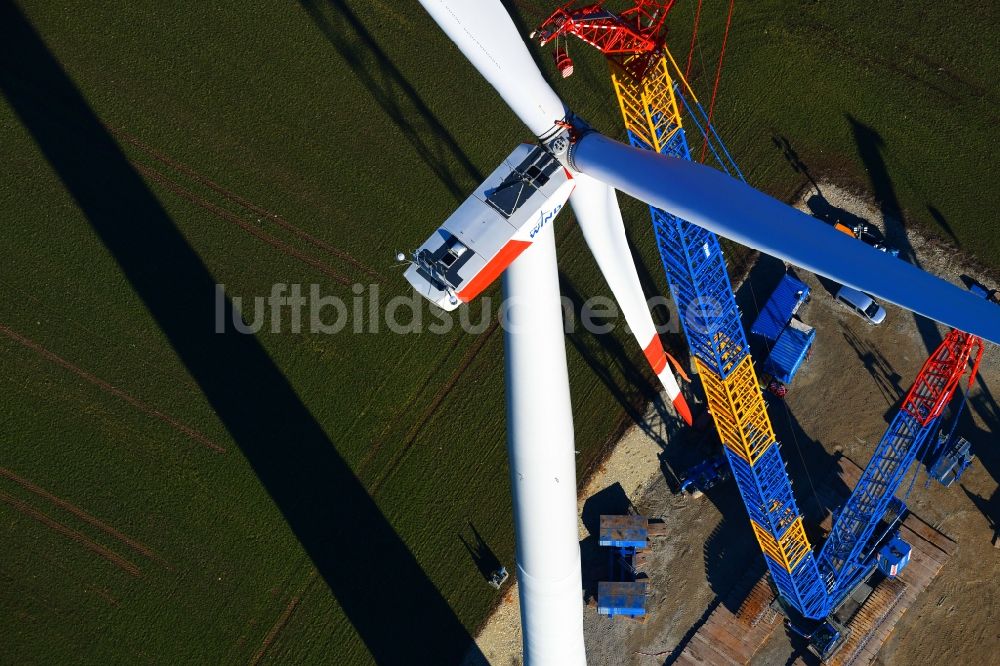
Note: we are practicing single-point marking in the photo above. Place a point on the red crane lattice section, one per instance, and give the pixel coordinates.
(941, 374)
(635, 30)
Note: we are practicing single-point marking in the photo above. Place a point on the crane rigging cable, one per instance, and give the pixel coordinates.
(694, 39)
(718, 72)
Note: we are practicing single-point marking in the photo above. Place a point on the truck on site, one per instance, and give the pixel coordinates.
(712, 471)
(981, 290)
(864, 233)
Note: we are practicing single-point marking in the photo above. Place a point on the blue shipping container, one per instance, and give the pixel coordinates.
(790, 352)
(778, 311)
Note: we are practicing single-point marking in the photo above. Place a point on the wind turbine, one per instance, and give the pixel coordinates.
(503, 217)
(540, 434)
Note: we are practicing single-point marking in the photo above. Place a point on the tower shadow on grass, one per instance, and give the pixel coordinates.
(324, 504)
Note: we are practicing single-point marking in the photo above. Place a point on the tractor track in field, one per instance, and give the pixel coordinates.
(377, 444)
(254, 231)
(39, 305)
(282, 620)
(425, 416)
(245, 203)
(113, 390)
(71, 534)
(135, 545)
(103, 594)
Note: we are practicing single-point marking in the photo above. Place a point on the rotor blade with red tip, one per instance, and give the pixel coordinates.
(596, 208)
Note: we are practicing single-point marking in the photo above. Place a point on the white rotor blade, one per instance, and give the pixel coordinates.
(488, 38)
(596, 208)
(730, 208)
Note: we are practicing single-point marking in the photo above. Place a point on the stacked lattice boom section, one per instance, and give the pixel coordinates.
(696, 270)
(843, 557)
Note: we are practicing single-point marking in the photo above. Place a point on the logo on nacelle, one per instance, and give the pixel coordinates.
(543, 219)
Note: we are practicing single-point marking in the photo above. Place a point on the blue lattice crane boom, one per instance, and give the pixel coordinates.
(651, 93)
(845, 556)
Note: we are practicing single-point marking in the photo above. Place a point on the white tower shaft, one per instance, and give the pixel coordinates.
(542, 459)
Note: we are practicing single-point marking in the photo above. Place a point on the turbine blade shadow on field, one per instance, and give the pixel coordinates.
(397, 97)
(381, 587)
(870, 146)
(942, 222)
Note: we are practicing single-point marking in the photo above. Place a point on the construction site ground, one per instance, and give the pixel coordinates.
(741, 626)
(839, 405)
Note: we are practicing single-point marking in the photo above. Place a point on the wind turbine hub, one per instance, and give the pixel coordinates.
(565, 133)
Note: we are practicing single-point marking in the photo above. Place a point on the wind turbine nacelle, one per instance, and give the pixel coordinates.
(491, 228)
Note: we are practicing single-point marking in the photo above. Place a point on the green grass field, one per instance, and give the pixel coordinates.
(168, 493)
